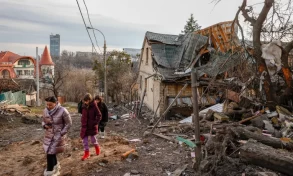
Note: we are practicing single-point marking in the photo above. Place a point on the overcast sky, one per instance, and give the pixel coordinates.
(25, 24)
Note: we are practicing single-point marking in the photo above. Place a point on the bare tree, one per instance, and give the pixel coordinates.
(55, 85)
(78, 83)
(273, 22)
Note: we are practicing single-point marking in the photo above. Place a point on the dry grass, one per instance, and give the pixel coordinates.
(39, 110)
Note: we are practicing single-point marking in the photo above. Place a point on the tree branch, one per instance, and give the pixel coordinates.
(245, 13)
(260, 20)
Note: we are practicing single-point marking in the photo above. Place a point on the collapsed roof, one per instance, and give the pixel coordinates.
(175, 53)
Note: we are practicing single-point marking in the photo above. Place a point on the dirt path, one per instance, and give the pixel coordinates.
(21, 151)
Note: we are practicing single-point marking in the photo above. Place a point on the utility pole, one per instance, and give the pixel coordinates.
(38, 77)
(195, 119)
(105, 79)
(105, 64)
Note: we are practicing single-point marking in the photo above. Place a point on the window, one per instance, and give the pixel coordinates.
(5, 74)
(145, 83)
(147, 56)
(32, 72)
(23, 62)
(19, 72)
(26, 72)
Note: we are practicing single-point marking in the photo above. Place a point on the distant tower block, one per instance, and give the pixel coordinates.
(55, 45)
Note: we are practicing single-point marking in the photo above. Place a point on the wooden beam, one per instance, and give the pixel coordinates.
(223, 35)
(267, 157)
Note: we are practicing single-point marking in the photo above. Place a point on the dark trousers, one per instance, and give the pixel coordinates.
(102, 126)
(51, 162)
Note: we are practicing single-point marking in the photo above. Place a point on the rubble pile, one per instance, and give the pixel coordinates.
(9, 111)
(235, 139)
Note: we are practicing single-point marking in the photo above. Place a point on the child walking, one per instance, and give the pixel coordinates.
(104, 110)
(90, 119)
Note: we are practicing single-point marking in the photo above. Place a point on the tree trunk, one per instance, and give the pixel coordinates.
(257, 27)
(285, 66)
(268, 157)
(244, 134)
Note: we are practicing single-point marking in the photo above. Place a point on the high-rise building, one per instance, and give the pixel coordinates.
(55, 45)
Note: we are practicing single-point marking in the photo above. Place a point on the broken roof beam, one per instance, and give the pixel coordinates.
(221, 34)
(224, 37)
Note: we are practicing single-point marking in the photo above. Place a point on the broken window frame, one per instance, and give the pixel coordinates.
(147, 56)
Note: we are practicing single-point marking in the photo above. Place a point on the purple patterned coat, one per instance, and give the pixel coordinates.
(55, 137)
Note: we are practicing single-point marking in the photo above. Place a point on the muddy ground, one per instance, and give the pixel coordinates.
(21, 151)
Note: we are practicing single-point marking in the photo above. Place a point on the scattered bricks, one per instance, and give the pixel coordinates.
(126, 154)
(221, 117)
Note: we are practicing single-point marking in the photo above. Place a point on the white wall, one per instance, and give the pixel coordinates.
(153, 87)
(26, 71)
(45, 68)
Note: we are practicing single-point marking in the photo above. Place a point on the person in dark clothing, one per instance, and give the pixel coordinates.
(79, 107)
(104, 111)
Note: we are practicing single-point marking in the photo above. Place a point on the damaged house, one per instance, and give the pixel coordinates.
(166, 62)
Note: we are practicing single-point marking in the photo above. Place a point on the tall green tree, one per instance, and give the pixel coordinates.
(119, 75)
(191, 25)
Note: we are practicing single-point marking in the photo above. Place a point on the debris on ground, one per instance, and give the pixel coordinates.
(255, 137)
(6, 108)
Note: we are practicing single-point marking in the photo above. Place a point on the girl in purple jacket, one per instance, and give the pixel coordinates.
(90, 119)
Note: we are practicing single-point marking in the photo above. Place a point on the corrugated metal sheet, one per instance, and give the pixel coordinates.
(14, 98)
(216, 108)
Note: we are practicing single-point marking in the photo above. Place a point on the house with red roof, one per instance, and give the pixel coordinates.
(15, 66)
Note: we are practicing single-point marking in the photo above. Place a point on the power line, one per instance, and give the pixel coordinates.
(91, 24)
(86, 26)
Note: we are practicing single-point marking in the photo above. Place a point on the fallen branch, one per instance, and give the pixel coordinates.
(165, 137)
(264, 156)
(244, 134)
